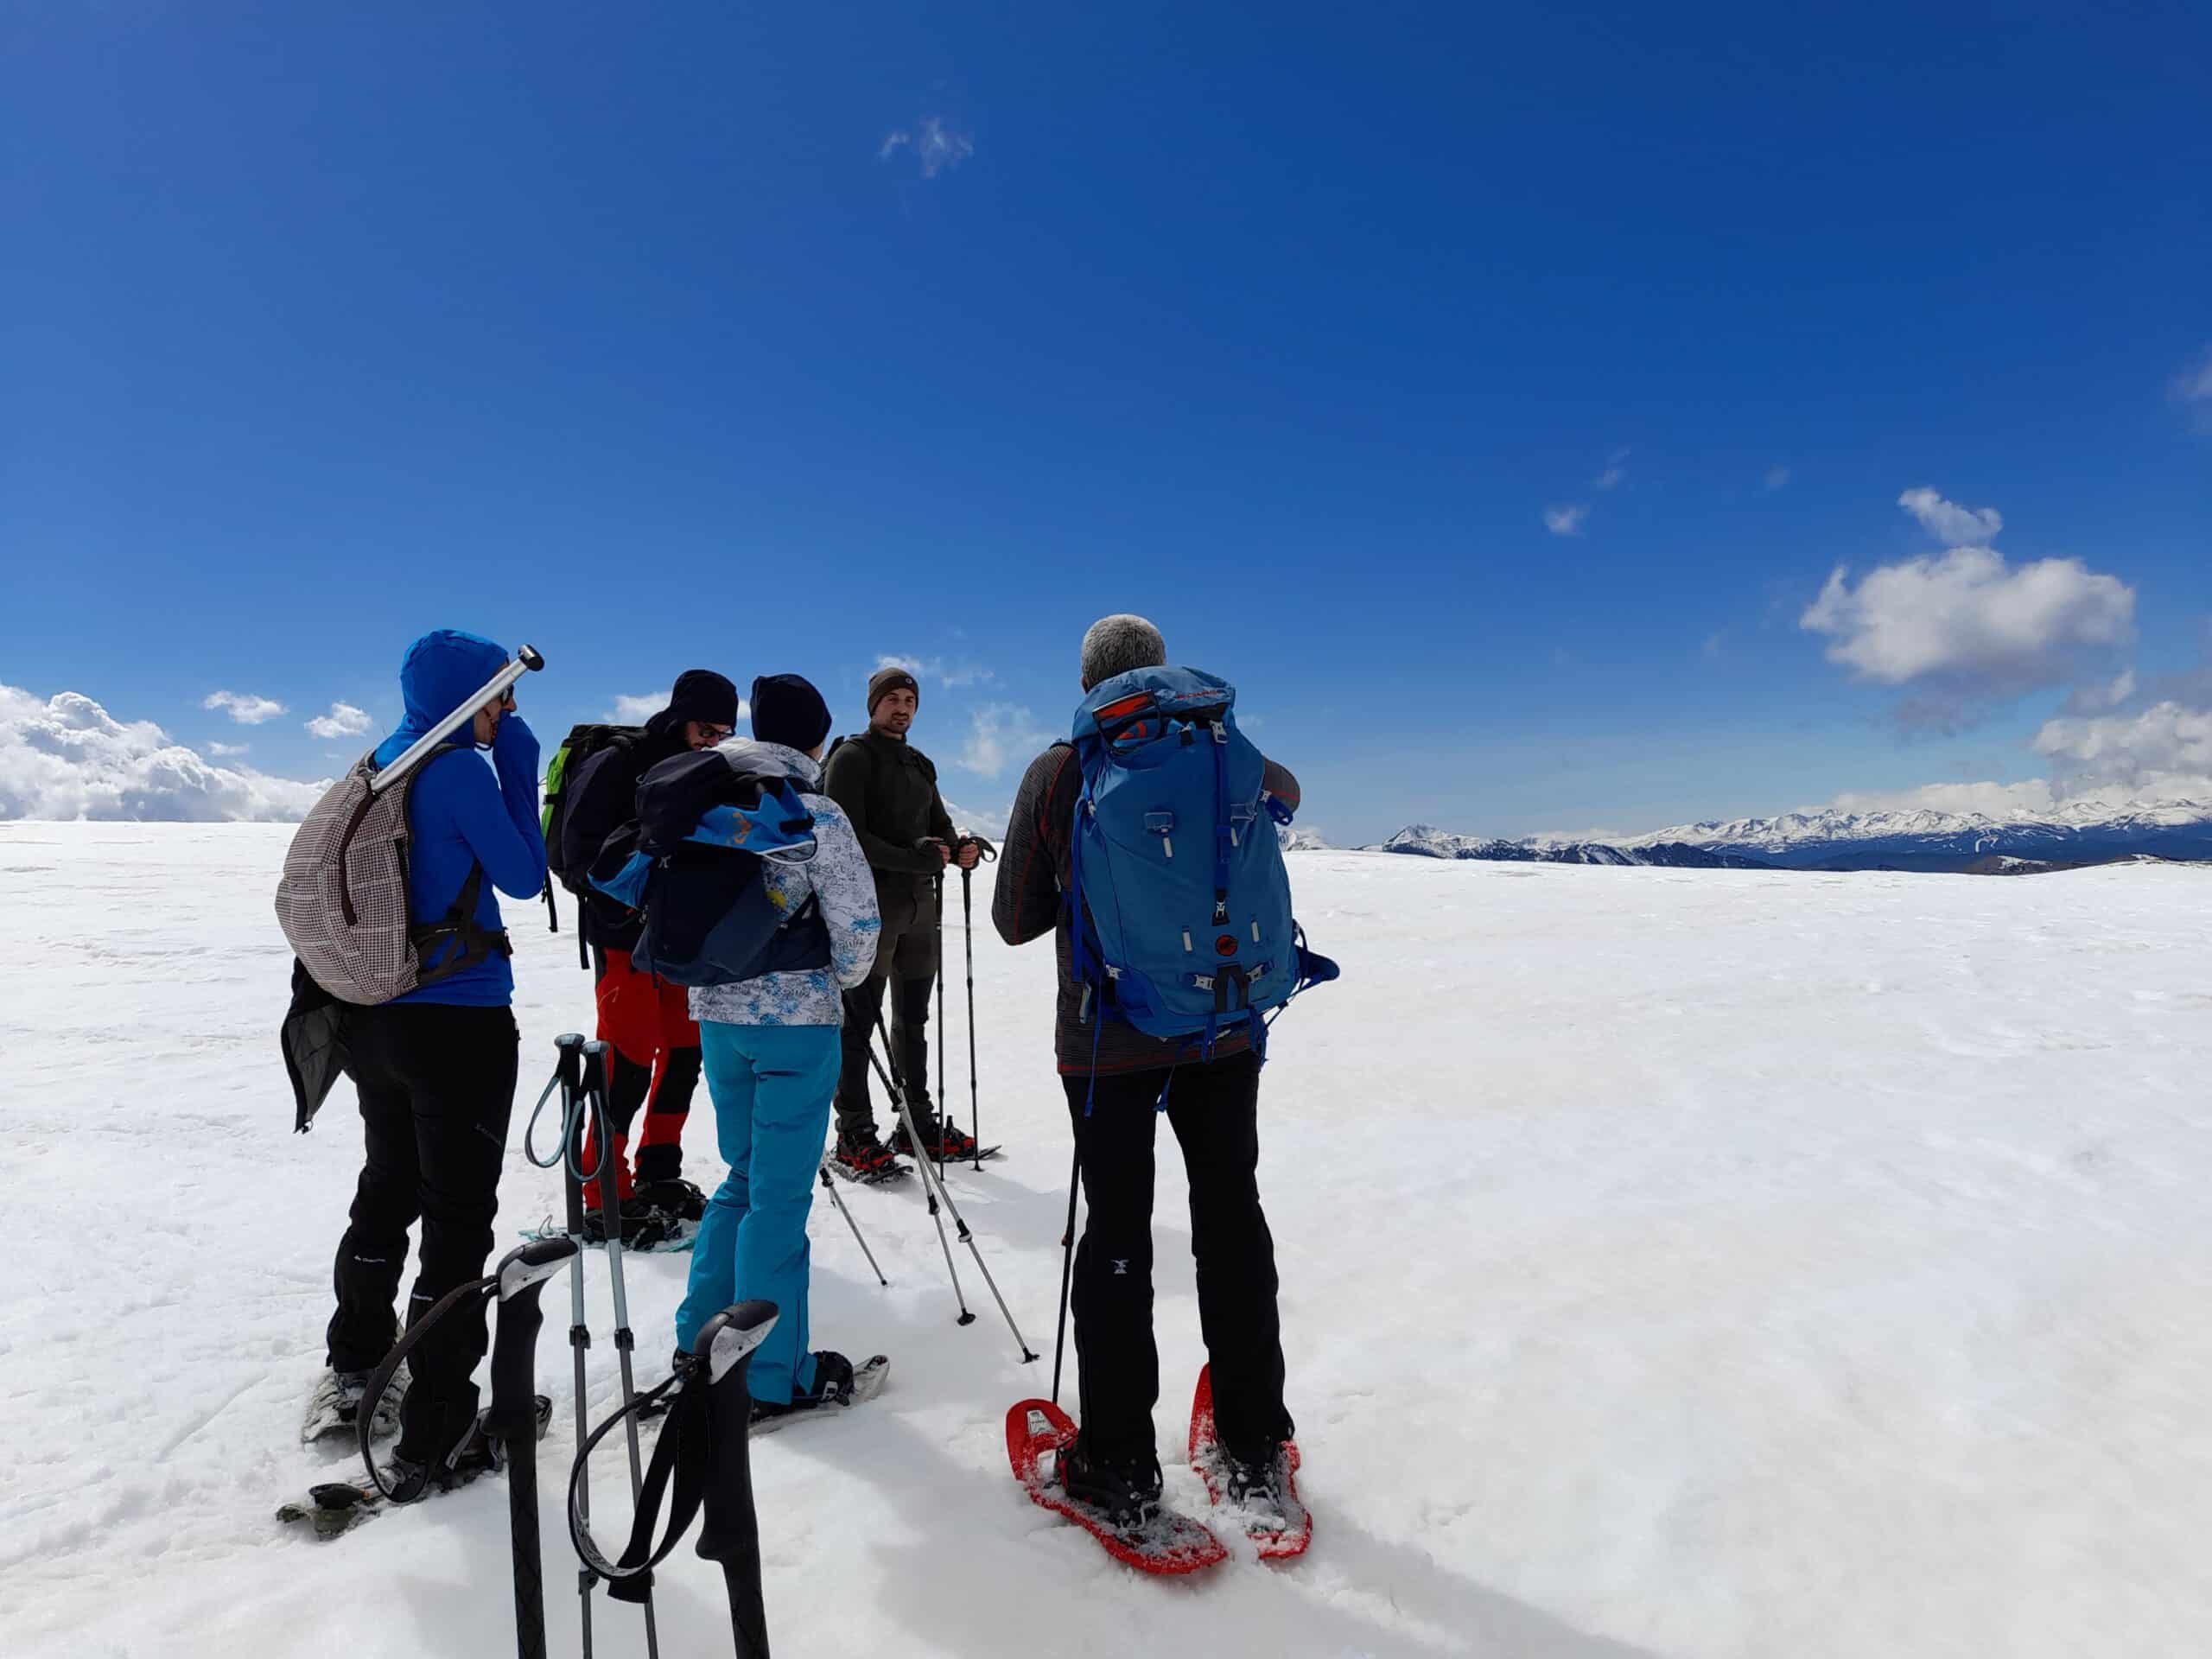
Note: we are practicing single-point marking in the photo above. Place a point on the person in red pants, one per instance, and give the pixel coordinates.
(647, 1023)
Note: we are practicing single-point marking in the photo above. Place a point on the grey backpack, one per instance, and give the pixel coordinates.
(343, 899)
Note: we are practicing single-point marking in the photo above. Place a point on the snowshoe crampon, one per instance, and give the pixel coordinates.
(1166, 1542)
(1274, 1517)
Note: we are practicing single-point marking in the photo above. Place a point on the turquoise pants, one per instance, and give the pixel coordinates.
(772, 1086)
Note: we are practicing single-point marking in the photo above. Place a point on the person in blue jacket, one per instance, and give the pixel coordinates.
(435, 1068)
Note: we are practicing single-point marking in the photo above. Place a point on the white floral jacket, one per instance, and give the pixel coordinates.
(838, 875)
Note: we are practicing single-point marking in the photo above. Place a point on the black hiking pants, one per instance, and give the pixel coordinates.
(1214, 1111)
(436, 1084)
(905, 960)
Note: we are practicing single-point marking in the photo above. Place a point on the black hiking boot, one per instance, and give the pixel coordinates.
(478, 1451)
(1125, 1491)
(1257, 1486)
(672, 1196)
(833, 1386)
(943, 1141)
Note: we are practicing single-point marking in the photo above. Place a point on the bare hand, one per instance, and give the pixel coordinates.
(969, 854)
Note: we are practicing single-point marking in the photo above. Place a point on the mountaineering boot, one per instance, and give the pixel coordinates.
(1125, 1492)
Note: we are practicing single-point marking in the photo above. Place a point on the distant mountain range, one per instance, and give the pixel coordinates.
(1426, 841)
(2076, 833)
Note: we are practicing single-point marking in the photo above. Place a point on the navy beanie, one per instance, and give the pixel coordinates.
(701, 693)
(786, 710)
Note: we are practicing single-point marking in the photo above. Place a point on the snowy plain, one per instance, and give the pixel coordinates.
(1675, 1263)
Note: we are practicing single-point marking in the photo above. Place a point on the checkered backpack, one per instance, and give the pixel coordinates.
(343, 899)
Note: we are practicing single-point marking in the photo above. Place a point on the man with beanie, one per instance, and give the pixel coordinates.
(888, 789)
(655, 1061)
(1119, 1082)
(772, 1058)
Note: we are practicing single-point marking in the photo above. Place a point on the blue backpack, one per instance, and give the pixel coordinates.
(1181, 922)
(692, 861)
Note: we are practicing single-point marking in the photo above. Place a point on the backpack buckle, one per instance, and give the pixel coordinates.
(1220, 732)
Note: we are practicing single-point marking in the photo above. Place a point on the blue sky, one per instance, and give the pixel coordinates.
(651, 339)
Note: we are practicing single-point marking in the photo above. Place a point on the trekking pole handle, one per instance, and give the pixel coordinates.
(527, 660)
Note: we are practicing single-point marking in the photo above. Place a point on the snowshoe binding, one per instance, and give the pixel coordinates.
(864, 1159)
(1260, 1493)
(334, 1406)
(836, 1384)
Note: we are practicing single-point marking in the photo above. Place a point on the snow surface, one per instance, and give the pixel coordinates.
(1675, 1263)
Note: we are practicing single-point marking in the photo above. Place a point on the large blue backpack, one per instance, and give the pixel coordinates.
(1181, 918)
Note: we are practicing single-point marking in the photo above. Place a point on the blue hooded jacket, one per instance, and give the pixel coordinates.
(461, 812)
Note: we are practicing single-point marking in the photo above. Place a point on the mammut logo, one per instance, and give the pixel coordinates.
(1121, 1266)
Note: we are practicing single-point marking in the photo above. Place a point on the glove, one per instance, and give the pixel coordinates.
(514, 751)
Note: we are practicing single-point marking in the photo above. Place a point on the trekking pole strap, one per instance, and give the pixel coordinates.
(630, 1579)
(365, 1415)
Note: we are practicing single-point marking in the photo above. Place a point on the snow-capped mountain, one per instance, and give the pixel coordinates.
(1426, 841)
(1301, 841)
(2080, 831)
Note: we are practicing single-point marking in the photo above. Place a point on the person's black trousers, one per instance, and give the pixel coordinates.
(905, 959)
(1214, 1111)
(437, 1085)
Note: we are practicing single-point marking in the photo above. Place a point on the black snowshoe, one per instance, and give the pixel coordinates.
(644, 1226)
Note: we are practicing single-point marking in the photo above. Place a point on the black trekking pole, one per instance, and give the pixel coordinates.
(898, 1094)
(575, 1128)
(730, 1535)
(1067, 1266)
(512, 1420)
(830, 1187)
(936, 889)
(987, 853)
(929, 1190)
(703, 1460)
(610, 1203)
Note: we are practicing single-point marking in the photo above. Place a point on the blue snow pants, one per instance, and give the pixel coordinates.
(772, 1087)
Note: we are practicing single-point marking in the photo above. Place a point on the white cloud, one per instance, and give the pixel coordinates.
(2149, 751)
(636, 711)
(1566, 521)
(243, 706)
(935, 671)
(1000, 735)
(1950, 523)
(2103, 695)
(66, 757)
(1614, 473)
(228, 750)
(990, 824)
(344, 720)
(1968, 614)
(1777, 477)
(937, 148)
